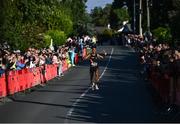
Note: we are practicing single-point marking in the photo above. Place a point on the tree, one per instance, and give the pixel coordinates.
(23, 22)
(175, 17)
(163, 34)
(79, 15)
(100, 16)
(119, 14)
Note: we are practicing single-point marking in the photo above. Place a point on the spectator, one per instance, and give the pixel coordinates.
(72, 55)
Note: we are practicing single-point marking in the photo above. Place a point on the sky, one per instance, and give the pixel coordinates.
(93, 3)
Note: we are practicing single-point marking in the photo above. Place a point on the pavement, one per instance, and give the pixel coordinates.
(123, 95)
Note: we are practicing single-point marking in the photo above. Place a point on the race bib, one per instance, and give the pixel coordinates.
(93, 64)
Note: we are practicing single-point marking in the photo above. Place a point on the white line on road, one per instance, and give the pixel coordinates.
(69, 114)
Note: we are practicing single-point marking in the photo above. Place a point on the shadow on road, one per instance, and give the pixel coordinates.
(123, 96)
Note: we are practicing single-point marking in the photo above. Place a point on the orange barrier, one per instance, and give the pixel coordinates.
(164, 88)
(178, 97)
(13, 84)
(21, 80)
(3, 91)
(161, 85)
(36, 76)
(28, 81)
(178, 91)
(76, 58)
(48, 72)
(53, 71)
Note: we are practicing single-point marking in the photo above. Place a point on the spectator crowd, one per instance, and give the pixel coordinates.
(160, 61)
(32, 57)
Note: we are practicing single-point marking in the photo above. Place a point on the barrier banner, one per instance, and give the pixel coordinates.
(76, 58)
(21, 80)
(3, 89)
(48, 70)
(36, 76)
(54, 71)
(178, 91)
(164, 88)
(13, 82)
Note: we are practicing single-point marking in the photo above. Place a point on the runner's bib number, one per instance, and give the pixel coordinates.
(93, 64)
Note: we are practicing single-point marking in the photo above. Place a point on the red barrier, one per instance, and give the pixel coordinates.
(178, 98)
(164, 88)
(76, 59)
(29, 77)
(13, 82)
(36, 76)
(54, 71)
(161, 84)
(154, 80)
(51, 71)
(3, 91)
(47, 74)
(21, 79)
(178, 92)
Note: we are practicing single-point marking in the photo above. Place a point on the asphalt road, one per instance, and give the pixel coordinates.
(123, 95)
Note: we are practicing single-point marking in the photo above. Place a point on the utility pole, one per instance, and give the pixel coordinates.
(148, 16)
(134, 28)
(140, 17)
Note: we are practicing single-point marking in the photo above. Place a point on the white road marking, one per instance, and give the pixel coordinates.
(69, 114)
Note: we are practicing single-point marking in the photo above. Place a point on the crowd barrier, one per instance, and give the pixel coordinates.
(166, 86)
(3, 88)
(21, 80)
(76, 58)
(167, 89)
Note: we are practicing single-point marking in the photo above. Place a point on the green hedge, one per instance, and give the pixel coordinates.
(163, 34)
(107, 34)
(59, 37)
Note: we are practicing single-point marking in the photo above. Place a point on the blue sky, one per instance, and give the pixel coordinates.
(93, 3)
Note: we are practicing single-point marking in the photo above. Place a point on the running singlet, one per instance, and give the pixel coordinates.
(94, 59)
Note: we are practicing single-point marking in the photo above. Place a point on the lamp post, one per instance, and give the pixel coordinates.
(134, 18)
(140, 17)
(148, 16)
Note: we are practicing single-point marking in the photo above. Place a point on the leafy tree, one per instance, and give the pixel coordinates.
(175, 17)
(107, 34)
(79, 15)
(163, 34)
(58, 37)
(23, 23)
(101, 15)
(118, 16)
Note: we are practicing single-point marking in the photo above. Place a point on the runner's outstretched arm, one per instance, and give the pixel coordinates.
(102, 55)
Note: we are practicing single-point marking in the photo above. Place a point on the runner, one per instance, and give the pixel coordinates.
(94, 67)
